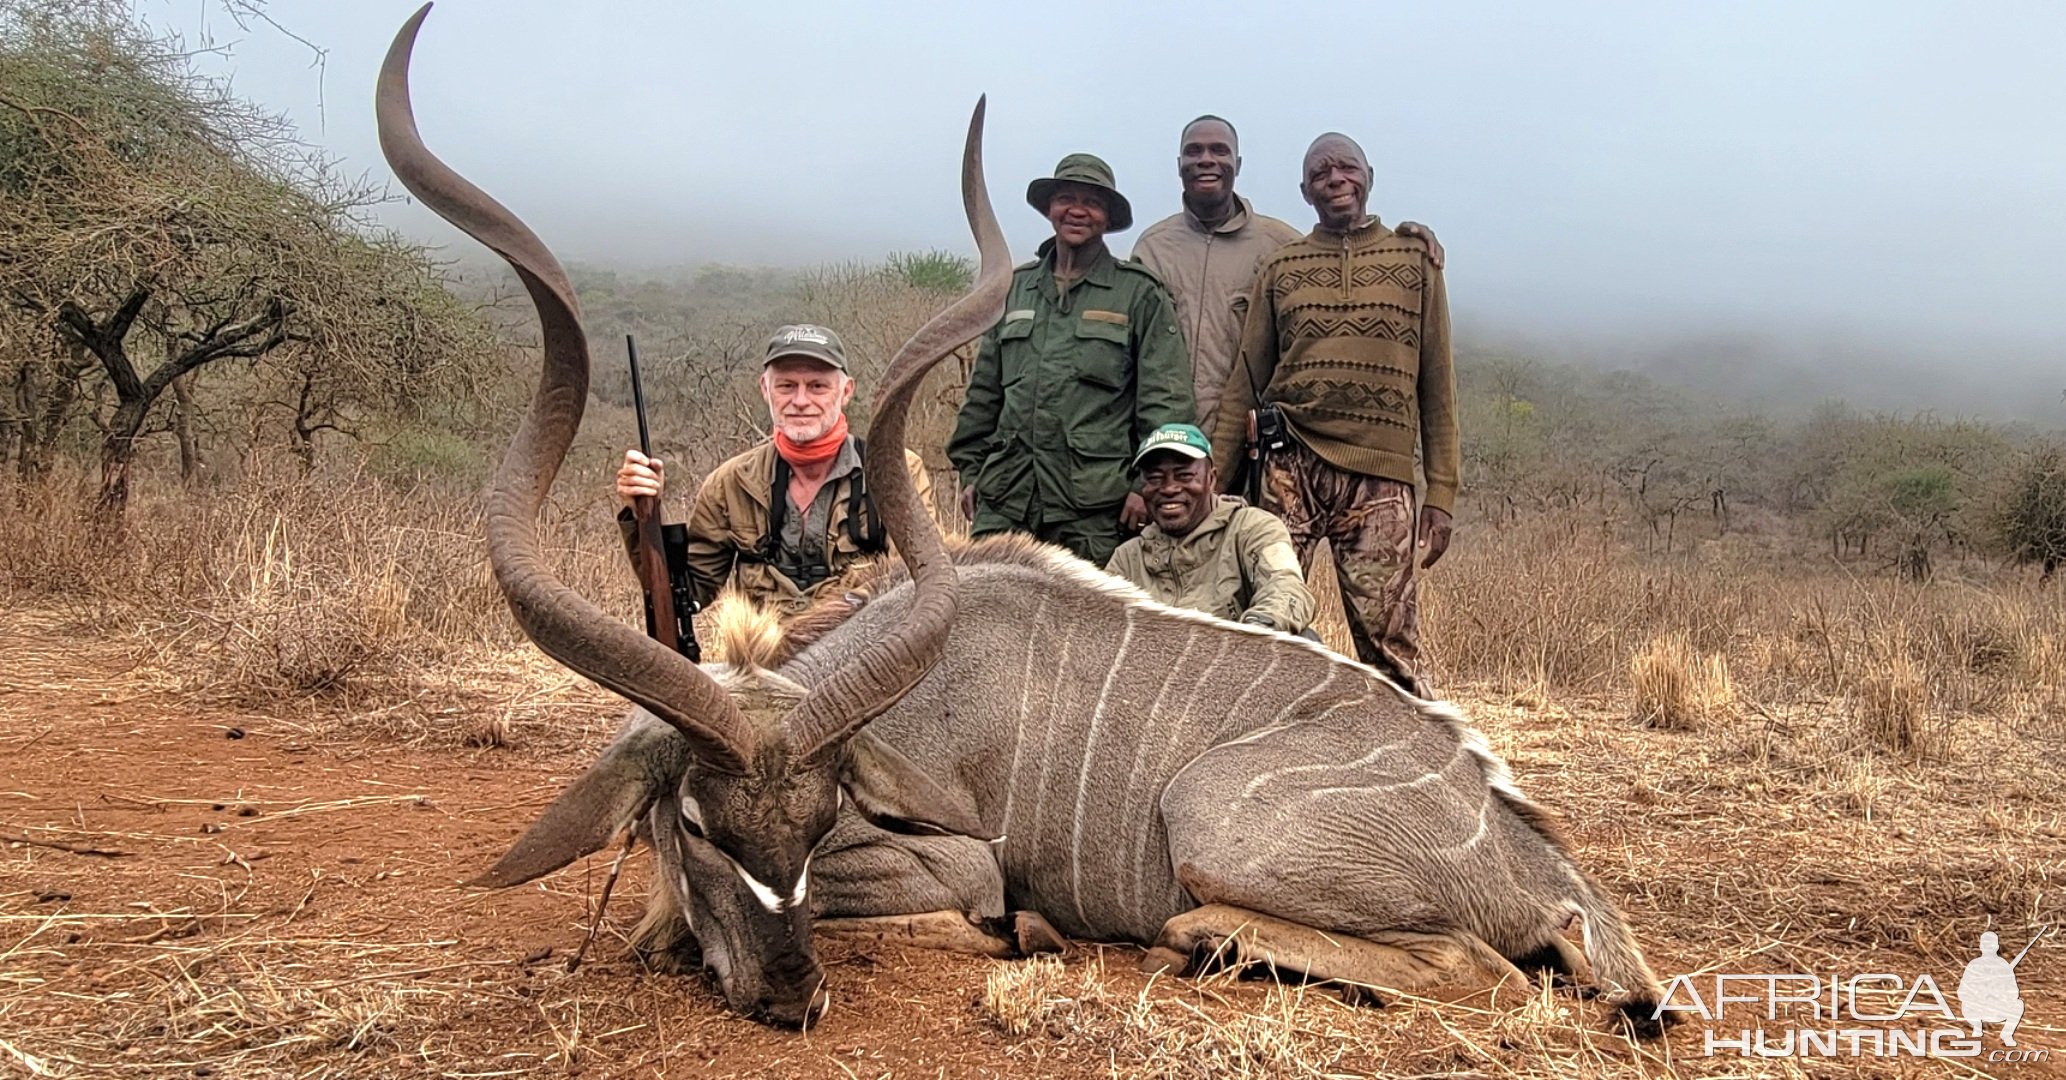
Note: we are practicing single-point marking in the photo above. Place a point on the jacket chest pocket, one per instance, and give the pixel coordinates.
(1103, 353)
(1015, 359)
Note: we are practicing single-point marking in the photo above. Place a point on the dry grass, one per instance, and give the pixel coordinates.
(346, 593)
(1677, 688)
(1561, 610)
(356, 608)
(1892, 706)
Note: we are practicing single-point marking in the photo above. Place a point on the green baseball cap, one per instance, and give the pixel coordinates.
(1084, 169)
(1183, 439)
(809, 342)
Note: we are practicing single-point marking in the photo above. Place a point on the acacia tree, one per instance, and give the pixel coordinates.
(152, 225)
(2029, 519)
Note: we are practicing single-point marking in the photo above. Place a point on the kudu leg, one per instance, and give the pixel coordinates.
(1022, 933)
(934, 892)
(1440, 966)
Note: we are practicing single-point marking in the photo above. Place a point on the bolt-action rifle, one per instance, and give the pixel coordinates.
(670, 603)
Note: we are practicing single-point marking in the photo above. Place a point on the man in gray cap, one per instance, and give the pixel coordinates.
(788, 515)
(1085, 363)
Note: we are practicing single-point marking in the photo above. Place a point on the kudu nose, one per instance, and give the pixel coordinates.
(792, 1011)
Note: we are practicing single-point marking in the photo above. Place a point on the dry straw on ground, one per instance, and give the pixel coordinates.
(1677, 688)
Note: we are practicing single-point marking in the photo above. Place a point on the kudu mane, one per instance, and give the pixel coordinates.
(872, 579)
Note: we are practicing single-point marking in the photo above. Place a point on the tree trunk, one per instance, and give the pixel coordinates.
(183, 429)
(1914, 561)
(304, 448)
(44, 396)
(117, 454)
(134, 393)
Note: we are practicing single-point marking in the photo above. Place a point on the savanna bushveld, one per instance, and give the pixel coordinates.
(1794, 681)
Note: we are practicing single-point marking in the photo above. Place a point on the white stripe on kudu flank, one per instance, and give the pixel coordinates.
(1090, 749)
(1143, 737)
(1047, 738)
(1472, 841)
(1018, 738)
(1260, 679)
(1143, 829)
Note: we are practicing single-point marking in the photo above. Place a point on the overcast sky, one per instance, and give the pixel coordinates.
(1898, 168)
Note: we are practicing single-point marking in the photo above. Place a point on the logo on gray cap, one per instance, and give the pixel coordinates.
(807, 341)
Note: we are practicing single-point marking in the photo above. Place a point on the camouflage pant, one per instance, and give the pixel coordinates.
(1368, 522)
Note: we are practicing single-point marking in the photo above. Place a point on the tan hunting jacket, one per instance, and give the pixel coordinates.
(1238, 564)
(729, 518)
(1209, 272)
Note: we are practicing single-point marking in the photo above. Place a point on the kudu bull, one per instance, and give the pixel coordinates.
(1010, 724)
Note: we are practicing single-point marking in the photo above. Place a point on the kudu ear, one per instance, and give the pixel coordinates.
(892, 792)
(645, 763)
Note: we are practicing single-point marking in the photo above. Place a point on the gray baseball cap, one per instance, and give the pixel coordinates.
(807, 341)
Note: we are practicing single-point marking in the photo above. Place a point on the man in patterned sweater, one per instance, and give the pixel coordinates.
(1348, 335)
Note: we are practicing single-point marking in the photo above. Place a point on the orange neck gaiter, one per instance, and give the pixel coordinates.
(816, 452)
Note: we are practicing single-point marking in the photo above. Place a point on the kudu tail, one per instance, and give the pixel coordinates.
(1618, 965)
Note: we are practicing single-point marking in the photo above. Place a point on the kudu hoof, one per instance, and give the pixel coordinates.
(1163, 960)
(1035, 936)
(1360, 997)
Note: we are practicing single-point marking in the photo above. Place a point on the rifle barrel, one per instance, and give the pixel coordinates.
(2026, 948)
(638, 397)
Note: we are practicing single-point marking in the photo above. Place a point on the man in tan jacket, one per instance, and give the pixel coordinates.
(1208, 552)
(1208, 255)
(793, 513)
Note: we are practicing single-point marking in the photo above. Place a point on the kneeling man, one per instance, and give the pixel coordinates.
(1208, 552)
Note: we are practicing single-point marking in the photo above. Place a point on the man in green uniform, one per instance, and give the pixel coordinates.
(1085, 363)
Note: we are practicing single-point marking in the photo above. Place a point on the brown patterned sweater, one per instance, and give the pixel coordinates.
(1349, 334)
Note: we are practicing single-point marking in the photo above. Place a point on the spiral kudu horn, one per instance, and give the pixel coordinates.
(891, 666)
(568, 627)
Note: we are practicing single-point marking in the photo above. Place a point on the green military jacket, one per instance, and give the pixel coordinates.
(1238, 564)
(1066, 385)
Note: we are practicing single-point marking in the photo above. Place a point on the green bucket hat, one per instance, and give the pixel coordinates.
(1084, 169)
(1183, 439)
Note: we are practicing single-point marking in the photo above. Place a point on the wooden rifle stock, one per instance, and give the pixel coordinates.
(652, 571)
(662, 624)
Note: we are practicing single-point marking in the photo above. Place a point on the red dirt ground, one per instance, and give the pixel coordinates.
(283, 906)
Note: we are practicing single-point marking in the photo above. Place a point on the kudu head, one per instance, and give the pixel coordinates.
(758, 764)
